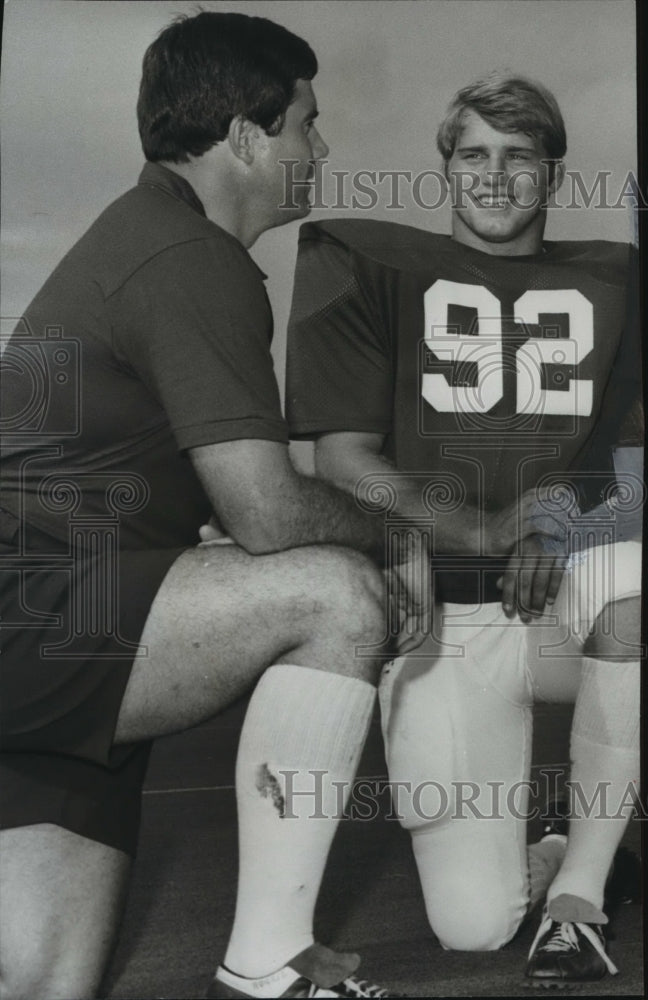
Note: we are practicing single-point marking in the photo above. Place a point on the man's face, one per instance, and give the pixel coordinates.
(500, 182)
(287, 160)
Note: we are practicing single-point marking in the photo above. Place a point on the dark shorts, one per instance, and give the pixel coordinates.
(70, 632)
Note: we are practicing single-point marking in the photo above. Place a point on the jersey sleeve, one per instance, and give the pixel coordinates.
(628, 391)
(621, 420)
(339, 373)
(204, 349)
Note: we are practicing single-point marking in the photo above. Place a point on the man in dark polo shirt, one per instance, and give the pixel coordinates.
(139, 403)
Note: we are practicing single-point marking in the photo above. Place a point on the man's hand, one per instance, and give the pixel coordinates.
(410, 593)
(533, 576)
(535, 513)
(535, 531)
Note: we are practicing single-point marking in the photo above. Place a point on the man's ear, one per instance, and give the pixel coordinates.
(242, 136)
(558, 176)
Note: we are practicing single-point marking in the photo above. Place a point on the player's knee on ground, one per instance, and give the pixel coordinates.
(474, 898)
(474, 925)
(616, 632)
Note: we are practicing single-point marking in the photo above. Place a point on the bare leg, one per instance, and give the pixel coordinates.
(61, 902)
(222, 617)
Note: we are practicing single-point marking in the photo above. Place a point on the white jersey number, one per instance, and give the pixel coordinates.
(485, 351)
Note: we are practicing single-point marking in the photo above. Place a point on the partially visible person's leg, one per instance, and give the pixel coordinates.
(605, 752)
(602, 589)
(458, 729)
(70, 832)
(60, 904)
(600, 600)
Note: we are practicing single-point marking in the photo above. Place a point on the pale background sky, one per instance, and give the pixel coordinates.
(70, 73)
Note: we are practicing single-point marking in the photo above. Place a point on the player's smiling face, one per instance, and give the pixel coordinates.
(500, 183)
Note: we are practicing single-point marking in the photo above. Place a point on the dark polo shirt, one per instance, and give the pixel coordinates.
(152, 336)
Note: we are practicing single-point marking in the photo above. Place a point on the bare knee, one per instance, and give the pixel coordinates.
(348, 584)
(616, 633)
(344, 601)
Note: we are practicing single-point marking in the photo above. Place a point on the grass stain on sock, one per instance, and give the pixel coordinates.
(268, 786)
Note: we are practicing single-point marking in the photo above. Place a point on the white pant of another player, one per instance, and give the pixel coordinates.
(457, 725)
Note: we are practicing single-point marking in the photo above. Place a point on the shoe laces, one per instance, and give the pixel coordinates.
(363, 988)
(565, 938)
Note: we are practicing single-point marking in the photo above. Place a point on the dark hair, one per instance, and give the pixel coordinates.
(509, 104)
(203, 71)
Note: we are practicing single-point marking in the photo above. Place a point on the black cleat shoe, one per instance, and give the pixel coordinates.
(564, 953)
(313, 973)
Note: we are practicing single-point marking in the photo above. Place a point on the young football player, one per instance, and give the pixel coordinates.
(466, 373)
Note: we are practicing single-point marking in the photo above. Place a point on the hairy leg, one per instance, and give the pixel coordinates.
(221, 617)
(61, 901)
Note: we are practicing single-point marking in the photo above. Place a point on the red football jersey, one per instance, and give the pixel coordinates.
(489, 374)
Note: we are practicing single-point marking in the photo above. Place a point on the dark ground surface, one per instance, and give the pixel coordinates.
(181, 902)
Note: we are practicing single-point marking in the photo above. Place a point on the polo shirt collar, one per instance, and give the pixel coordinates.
(167, 180)
(156, 175)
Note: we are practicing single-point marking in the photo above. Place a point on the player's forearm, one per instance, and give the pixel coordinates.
(369, 476)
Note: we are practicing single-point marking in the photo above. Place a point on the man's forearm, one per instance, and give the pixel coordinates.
(316, 512)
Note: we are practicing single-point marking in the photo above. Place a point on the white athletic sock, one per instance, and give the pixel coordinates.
(299, 721)
(605, 770)
(545, 858)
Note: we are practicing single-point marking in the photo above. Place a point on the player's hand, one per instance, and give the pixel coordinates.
(532, 578)
(410, 596)
(536, 513)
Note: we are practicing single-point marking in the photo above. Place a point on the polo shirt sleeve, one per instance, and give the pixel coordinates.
(194, 324)
(339, 374)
